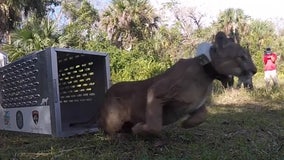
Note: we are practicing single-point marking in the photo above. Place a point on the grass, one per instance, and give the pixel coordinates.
(242, 125)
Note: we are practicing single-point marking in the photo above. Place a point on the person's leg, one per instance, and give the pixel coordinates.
(227, 81)
(267, 78)
(239, 85)
(274, 78)
(231, 81)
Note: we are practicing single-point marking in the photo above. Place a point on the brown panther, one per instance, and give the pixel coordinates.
(143, 107)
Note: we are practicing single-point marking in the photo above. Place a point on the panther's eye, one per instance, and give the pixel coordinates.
(243, 57)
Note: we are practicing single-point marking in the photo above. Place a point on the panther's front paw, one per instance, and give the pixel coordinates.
(138, 128)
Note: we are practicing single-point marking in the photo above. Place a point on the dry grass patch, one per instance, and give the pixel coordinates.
(233, 96)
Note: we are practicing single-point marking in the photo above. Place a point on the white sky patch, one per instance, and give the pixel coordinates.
(264, 10)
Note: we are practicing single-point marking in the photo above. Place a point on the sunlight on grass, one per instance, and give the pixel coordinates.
(233, 96)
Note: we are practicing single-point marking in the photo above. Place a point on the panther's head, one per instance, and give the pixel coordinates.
(230, 58)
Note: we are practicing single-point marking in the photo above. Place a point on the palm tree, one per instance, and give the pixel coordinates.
(263, 33)
(234, 23)
(8, 16)
(35, 35)
(82, 26)
(10, 13)
(129, 21)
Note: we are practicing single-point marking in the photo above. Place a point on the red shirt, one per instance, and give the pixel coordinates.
(269, 61)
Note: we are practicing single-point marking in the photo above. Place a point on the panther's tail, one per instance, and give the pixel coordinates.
(92, 123)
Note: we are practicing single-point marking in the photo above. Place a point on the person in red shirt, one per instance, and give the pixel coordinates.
(270, 73)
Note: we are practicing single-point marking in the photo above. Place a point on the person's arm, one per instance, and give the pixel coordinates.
(273, 57)
(265, 59)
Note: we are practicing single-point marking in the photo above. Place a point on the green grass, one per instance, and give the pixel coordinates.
(242, 125)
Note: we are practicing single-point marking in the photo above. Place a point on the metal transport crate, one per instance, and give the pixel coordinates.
(46, 91)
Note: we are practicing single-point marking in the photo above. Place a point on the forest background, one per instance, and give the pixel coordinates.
(140, 40)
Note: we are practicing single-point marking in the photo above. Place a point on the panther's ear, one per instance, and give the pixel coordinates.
(221, 40)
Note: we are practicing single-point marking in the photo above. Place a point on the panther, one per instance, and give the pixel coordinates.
(144, 107)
